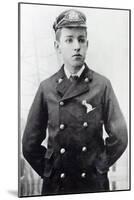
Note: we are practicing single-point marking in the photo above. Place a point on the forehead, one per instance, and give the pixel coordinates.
(73, 32)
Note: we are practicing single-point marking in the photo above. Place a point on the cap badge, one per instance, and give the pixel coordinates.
(73, 16)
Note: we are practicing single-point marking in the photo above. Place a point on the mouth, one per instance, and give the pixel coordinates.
(77, 55)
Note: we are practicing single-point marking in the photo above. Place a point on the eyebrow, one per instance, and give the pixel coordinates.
(73, 36)
(68, 36)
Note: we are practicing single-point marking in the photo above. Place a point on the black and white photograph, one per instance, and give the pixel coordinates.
(74, 99)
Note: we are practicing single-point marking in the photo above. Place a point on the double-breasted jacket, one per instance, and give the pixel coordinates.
(77, 156)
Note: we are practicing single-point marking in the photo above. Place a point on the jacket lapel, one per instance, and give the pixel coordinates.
(63, 82)
(67, 89)
(80, 86)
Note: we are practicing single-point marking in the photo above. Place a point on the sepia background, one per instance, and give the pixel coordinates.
(108, 54)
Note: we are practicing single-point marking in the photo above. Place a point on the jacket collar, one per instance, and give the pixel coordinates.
(63, 82)
(68, 74)
(67, 90)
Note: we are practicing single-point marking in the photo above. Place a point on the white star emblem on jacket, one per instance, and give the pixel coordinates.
(88, 106)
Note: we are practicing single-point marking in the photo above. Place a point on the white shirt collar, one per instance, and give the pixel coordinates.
(68, 74)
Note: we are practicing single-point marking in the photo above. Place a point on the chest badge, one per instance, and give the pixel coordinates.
(88, 106)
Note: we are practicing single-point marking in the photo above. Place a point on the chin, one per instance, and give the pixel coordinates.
(77, 64)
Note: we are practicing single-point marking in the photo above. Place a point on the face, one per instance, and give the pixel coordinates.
(73, 45)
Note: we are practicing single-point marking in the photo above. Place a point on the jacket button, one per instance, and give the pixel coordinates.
(84, 102)
(84, 149)
(83, 175)
(62, 126)
(62, 175)
(62, 150)
(86, 80)
(60, 80)
(61, 103)
(85, 124)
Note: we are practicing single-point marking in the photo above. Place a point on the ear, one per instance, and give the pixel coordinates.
(87, 43)
(57, 46)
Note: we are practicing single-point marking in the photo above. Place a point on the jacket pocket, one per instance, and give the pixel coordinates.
(96, 114)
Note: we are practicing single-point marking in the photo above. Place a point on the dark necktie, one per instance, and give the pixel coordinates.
(74, 78)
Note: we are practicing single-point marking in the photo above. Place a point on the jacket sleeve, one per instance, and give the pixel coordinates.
(35, 133)
(115, 126)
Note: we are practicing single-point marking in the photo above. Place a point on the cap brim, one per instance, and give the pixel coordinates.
(73, 26)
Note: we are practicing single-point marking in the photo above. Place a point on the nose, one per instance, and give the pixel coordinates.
(76, 45)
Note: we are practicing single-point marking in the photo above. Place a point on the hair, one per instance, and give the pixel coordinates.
(58, 33)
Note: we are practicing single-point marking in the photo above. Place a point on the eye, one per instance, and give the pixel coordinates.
(82, 40)
(69, 40)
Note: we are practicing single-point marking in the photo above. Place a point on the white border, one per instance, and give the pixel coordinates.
(9, 96)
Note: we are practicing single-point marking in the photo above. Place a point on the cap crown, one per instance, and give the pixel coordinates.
(70, 18)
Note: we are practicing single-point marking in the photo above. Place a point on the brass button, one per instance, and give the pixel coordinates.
(85, 124)
(62, 126)
(61, 103)
(62, 175)
(84, 102)
(60, 80)
(84, 149)
(86, 80)
(62, 150)
(83, 175)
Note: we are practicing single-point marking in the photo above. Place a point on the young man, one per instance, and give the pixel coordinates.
(74, 104)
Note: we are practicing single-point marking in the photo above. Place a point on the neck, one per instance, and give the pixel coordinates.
(73, 69)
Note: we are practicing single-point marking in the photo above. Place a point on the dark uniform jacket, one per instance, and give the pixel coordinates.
(77, 157)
